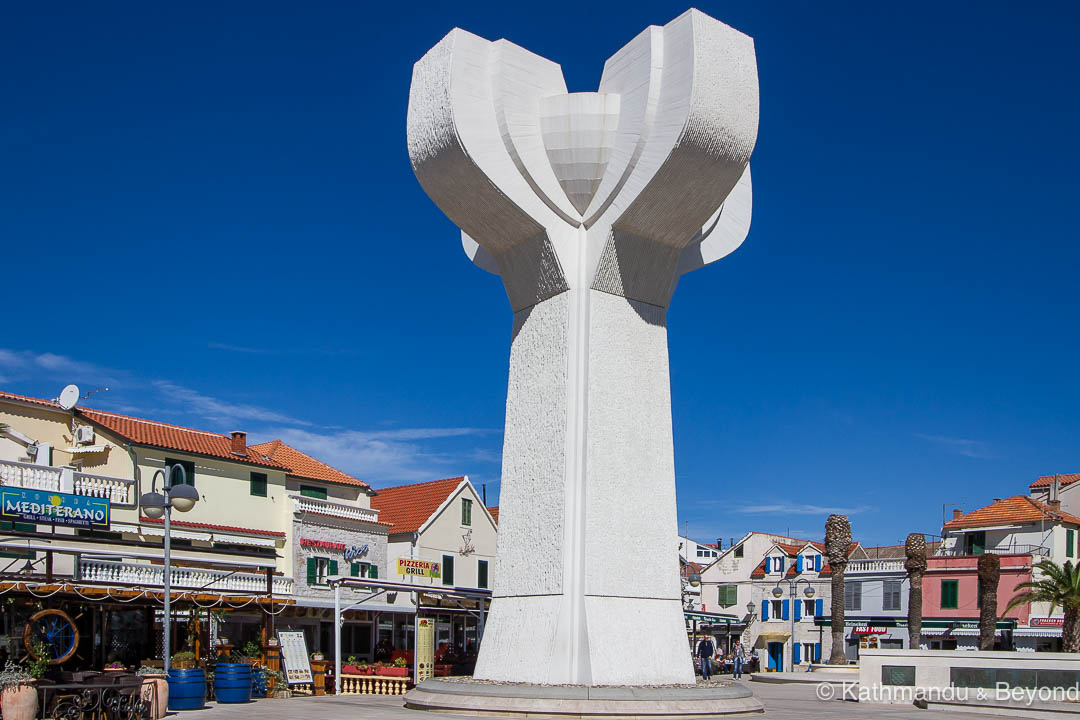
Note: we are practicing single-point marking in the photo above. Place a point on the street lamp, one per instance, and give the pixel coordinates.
(793, 586)
(180, 497)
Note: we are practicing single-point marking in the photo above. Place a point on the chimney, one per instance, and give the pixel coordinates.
(956, 513)
(1055, 488)
(997, 500)
(1055, 505)
(239, 442)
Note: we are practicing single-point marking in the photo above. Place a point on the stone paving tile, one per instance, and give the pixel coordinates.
(782, 702)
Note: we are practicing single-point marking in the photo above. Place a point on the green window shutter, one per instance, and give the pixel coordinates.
(466, 511)
(373, 570)
(312, 571)
(319, 493)
(258, 484)
(482, 573)
(447, 569)
(950, 594)
(333, 568)
(1070, 542)
(354, 570)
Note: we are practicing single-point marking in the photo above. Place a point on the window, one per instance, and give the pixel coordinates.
(975, 543)
(808, 608)
(1070, 542)
(258, 484)
(189, 470)
(482, 574)
(728, 595)
(890, 598)
(319, 569)
(313, 491)
(853, 596)
(466, 512)
(739, 551)
(950, 594)
(447, 569)
(363, 570)
(777, 609)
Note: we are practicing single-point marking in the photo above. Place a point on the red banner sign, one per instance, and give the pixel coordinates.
(869, 630)
(1047, 622)
(322, 544)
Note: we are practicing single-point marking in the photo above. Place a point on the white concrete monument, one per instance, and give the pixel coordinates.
(589, 206)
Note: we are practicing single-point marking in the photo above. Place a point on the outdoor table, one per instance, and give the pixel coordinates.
(120, 700)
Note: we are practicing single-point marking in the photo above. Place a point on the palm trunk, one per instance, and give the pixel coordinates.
(837, 656)
(1070, 633)
(989, 576)
(914, 610)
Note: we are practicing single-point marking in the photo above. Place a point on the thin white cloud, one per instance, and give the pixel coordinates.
(212, 408)
(960, 446)
(795, 509)
(240, 349)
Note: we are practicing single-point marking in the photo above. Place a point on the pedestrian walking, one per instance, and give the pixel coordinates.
(705, 651)
(738, 657)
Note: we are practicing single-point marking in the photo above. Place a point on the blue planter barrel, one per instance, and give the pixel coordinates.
(187, 689)
(232, 682)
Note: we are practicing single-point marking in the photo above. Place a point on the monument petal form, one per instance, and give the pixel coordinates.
(589, 206)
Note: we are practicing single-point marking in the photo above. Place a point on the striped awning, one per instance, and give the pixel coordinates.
(1037, 632)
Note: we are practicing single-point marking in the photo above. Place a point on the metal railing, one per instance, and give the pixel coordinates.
(1017, 549)
(146, 575)
(119, 491)
(304, 504)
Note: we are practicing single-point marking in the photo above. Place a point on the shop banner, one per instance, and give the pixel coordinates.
(1047, 622)
(39, 506)
(419, 568)
(425, 649)
(294, 655)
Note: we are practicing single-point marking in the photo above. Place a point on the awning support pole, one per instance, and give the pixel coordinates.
(337, 638)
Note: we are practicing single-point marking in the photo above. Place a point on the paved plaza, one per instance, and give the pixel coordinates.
(782, 702)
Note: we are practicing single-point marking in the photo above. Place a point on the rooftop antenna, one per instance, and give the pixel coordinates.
(91, 392)
(68, 397)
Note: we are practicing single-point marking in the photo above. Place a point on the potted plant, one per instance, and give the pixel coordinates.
(18, 696)
(183, 660)
(251, 652)
(398, 669)
(350, 668)
(317, 656)
(155, 690)
(276, 685)
(115, 667)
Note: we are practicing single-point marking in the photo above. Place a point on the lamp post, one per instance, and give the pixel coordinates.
(793, 586)
(181, 497)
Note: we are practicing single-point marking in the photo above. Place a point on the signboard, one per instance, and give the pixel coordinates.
(354, 551)
(419, 568)
(1047, 622)
(425, 649)
(294, 655)
(869, 630)
(39, 506)
(351, 552)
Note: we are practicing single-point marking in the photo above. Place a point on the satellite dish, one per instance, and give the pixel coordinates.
(69, 396)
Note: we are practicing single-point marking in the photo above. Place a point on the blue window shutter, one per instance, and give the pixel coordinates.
(785, 610)
(819, 610)
(817, 650)
(798, 610)
(795, 655)
(817, 565)
(768, 562)
(764, 610)
(779, 565)
(798, 566)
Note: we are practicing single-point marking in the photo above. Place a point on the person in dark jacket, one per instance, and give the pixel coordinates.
(705, 651)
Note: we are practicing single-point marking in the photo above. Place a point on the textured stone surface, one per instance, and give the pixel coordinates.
(589, 206)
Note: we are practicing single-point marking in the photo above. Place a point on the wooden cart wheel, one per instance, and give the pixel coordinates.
(57, 630)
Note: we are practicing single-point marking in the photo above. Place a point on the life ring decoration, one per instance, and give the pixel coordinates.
(56, 630)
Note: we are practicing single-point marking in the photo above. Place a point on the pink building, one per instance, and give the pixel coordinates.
(951, 587)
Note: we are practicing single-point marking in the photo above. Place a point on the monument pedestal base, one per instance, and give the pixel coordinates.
(576, 701)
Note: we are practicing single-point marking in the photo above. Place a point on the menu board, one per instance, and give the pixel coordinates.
(425, 649)
(294, 655)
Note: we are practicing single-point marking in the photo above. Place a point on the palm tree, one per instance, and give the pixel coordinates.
(989, 575)
(1058, 585)
(915, 550)
(837, 546)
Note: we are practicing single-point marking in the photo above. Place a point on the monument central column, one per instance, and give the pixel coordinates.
(589, 206)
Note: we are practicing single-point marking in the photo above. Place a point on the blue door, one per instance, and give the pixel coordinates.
(776, 656)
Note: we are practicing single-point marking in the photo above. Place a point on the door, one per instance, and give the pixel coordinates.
(776, 656)
(976, 543)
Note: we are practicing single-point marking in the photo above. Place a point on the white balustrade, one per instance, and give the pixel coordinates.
(373, 685)
(875, 566)
(145, 575)
(29, 476)
(302, 504)
(119, 491)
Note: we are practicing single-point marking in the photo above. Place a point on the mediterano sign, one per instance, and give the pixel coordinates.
(419, 568)
(38, 506)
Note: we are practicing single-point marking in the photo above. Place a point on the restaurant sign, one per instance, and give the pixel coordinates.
(869, 630)
(39, 506)
(419, 568)
(1047, 622)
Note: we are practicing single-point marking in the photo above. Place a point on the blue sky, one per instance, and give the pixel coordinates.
(208, 208)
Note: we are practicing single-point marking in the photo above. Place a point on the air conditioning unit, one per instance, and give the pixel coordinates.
(84, 435)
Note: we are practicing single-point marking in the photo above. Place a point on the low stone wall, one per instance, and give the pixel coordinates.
(906, 676)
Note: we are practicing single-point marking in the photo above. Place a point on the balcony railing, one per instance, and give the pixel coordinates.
(212, 581)
(119, 491)
(959, 550)
(871, 566)
(304, 504)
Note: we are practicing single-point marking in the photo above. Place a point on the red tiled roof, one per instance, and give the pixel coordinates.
(1009, 511)
(30, 400)
(1063, 480)
(302, 465)
(494, 513)
(174, 437)
(407, 507)
(209, 526)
